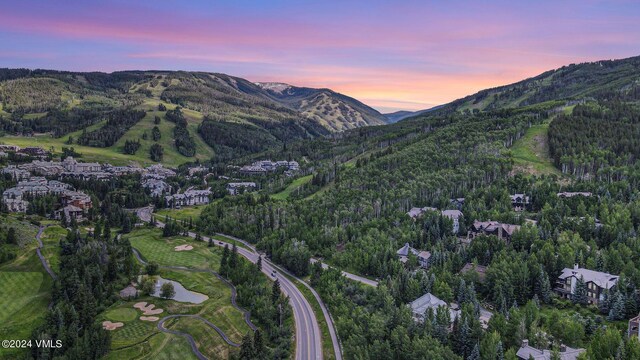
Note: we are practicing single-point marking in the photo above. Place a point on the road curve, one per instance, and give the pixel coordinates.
(308, 339)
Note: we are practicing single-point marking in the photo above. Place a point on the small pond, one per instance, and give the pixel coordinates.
(182, 294)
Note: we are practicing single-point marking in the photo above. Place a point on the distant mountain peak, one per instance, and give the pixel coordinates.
(277, 87)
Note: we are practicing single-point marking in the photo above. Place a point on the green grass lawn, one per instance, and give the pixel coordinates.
(531, 152)
(18, 289)
(217, 308)
(284, 194)
(208, 341)
(183, 214)
(51, 237)
(25, 292)
(157, 345)
(141, 339)
(154, 247)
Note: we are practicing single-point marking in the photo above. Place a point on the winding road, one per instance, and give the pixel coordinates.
(308, 337)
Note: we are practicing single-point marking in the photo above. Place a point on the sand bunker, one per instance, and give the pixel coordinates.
(183, 248)
(147, 309)
(108, 325)
(149, 318)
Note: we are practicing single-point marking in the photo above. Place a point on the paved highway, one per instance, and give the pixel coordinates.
(308, 338)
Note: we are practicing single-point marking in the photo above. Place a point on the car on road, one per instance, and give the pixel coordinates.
(274, 273)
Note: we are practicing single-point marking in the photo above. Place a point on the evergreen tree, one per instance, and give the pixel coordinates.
(579, 295)
(258, 345)
(617, 311)
(544, 286)
(475, 353)
(246, 349)
(106, 231)
(233, 258)
(499, 351)
(224, 260)
(605, 304)
(462, 292)
(11, 236)
(275, 291)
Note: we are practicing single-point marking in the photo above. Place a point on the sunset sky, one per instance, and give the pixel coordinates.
(389, 54)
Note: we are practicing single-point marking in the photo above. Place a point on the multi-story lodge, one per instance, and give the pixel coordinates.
(156, 185)
(16, 173)
(502, 231)
(597, 282)
(235, 188)
(188, 198)
(264, 166)
(74, 203)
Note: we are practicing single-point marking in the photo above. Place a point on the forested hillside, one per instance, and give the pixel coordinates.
(353, 214)
(599, 139)
(601, 79)
(103, 110)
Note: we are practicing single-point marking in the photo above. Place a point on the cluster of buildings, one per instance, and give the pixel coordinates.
(32, 151)
(263, 167)
(74, 203)
(153, 178)
(69, 168)
(235, 188)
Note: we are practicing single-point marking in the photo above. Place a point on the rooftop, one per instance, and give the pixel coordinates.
(602, 279)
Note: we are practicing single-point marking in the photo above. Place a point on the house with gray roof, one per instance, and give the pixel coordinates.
(502, 231)
(421, 305)
(423, 256)
(597, 282)
(527, 352)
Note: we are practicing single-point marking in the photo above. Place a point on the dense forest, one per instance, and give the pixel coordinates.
(598, 140)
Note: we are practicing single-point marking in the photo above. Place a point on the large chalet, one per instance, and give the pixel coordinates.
(597, 282)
